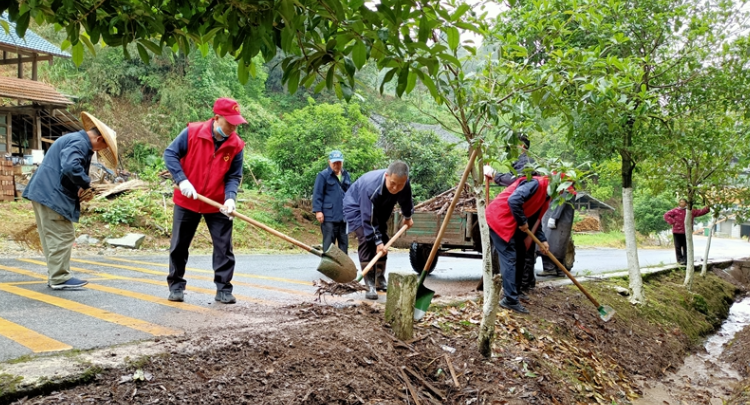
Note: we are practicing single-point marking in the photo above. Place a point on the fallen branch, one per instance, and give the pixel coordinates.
(452, 371)
(334, 288)
(425, 383)
(409, 387)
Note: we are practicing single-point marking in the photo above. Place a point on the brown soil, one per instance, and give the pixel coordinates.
(737, 352)
(560, 354)
(588, 224)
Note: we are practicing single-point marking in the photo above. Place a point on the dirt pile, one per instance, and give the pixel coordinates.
(559, 354)
(588, 224)
(440, 203)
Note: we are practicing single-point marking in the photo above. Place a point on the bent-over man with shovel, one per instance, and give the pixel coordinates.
(509, 215)
(206, 159)
(367, 206)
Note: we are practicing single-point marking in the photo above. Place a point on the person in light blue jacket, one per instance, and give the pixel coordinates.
(367, 206)
(328, 201)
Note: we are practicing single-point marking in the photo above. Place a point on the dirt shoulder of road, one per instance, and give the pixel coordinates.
(561, 353)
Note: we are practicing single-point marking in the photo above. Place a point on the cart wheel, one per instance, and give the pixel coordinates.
(418, 255)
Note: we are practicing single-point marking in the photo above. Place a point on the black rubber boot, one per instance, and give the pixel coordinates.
(381, 284)
(372, 293)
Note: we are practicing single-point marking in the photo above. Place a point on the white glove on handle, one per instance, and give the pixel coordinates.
(188, 190)
(489, 171)
(229, 207)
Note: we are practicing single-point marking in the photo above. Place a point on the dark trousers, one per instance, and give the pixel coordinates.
(367, 250)
(183, 230)
(511, 268)
(680, 247)
(335, 232)
(528, 277)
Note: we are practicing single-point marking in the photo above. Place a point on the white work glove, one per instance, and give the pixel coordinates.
(188, 190)
(229, 207)
(489, 171)
(552, 224)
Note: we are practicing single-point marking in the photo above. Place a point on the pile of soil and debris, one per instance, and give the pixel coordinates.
(588, 224)
(560, 354)
(440, 203)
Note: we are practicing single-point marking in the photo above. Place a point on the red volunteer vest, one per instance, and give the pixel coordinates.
(205, 168)
(499, 216)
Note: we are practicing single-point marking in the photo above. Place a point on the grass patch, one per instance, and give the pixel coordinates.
(671, 305)
(9, 383)
(612, 239)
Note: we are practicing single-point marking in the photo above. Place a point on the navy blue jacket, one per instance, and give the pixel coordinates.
(328, 194)
(523, 193)
(63, 172)
(179, 148)
(506, 179)
(368, 203)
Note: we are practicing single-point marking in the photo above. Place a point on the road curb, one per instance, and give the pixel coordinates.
(644, 272)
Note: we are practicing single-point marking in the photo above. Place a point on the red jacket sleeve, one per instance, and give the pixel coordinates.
(699, 213)
(668, 217)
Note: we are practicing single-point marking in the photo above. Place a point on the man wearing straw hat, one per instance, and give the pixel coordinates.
(206, 159)
(57, 188)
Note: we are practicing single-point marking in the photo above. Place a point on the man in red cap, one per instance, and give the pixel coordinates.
(206, 159)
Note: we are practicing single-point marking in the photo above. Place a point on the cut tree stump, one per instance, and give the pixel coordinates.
(399, 306)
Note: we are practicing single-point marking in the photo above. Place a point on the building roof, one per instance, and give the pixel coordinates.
(39, 92)
(586, 199)
(31, 42)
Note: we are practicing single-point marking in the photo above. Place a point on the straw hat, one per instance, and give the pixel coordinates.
(108, 156)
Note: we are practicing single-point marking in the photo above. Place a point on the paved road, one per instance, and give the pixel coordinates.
(126, 299)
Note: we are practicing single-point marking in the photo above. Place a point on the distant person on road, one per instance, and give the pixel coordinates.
(509, 216)
(57, 189)
(527, 281)
(676, 218)
(206, 159)
(328, 201)
(368, 204)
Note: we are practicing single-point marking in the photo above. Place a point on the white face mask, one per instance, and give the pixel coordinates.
(221, 132)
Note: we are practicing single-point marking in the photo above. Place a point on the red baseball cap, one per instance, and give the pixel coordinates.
(230, 110)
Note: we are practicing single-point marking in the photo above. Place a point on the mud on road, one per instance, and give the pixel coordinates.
(560, 354)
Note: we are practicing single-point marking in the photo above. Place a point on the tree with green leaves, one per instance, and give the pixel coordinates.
(631, 56)
(709, 142)
(300, 143)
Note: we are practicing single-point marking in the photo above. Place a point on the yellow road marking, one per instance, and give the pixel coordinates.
(143, 280)
(161, 273)
(26, 337)
(236, 274)
(146, 297)
(93, 312)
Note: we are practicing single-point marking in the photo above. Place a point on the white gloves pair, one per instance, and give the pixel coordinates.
(489, 171)
(187, 189)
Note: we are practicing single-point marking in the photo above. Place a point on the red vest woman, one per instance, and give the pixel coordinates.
(206, 159)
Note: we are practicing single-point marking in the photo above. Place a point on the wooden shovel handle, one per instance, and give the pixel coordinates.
(564, 270)
(259, 225)
(448, 214)
(387, 245)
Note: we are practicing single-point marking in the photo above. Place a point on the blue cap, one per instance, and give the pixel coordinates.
(336, 156)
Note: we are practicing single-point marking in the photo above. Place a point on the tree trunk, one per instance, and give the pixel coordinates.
(631, 248)
(491, 289)
(711, 227)
(690, 259)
